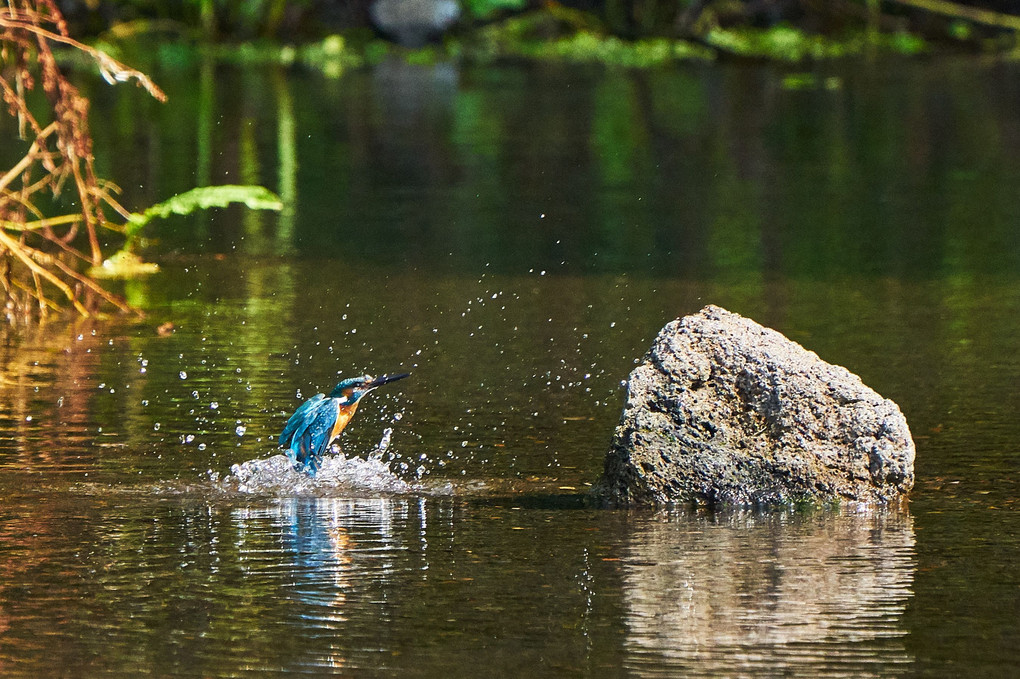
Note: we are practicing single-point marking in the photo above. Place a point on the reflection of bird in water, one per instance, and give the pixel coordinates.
(320, 419)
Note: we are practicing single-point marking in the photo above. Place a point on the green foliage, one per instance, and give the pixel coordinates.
(481, 9)
(202, 198)
(542, 35)
(558, 34)
(587, 47)
(903, 42)
(123, 264)
(787, 43)
(780, 42)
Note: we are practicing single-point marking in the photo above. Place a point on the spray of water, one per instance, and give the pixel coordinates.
(337, 474)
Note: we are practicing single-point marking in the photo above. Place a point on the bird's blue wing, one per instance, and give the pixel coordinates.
(299, 418)
(308, 431)
(315, 439)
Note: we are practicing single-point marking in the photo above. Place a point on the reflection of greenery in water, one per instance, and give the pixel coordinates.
(728, 171)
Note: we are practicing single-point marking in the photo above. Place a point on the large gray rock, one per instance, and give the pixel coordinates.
(723, 410)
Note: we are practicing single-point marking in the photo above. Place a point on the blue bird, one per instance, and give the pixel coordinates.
(320, 419)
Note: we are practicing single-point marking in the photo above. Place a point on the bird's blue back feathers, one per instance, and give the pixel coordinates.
(308, 430)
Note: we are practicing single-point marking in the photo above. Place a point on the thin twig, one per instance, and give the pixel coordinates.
(29, 158)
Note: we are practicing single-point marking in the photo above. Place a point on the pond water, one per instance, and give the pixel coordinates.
(514, 237)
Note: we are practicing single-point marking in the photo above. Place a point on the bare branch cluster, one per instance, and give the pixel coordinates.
(41, 256)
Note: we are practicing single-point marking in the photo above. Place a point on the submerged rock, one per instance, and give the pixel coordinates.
(724, 410)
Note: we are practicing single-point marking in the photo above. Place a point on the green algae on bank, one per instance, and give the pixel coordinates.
(786, 43)
(551, 36)
(335, 55)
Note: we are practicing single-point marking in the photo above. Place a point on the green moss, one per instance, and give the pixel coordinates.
(590, 48)
(564, 36)
(786, 43)
(486, 8)
(553, 33)
(781, 42)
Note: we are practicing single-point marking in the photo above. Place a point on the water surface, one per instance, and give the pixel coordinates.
(514, 237)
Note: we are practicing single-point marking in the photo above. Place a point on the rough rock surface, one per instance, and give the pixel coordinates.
(723, 410)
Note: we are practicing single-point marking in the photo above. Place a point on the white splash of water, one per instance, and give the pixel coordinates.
(337, 474)
(383, 445)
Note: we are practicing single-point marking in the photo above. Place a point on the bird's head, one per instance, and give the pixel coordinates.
(349, 391)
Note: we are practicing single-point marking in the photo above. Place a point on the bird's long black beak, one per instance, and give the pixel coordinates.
(383, 379)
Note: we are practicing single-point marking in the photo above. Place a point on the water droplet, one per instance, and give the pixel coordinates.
(155, 427)
(201, 446)
(183, 375)
(240, 430)
(214, 405)
(189, 438)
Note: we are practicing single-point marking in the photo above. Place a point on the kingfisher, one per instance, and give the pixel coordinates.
(320, 419)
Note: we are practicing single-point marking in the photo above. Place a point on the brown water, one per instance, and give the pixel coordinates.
(515, 237)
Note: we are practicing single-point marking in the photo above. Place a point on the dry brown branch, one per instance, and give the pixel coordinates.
(58, 158)
(976, 14)
(39, 272)
(112, 70)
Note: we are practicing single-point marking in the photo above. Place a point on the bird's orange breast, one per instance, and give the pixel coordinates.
(343, 416)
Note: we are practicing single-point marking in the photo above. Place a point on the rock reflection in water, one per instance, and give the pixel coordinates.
(746, 593)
